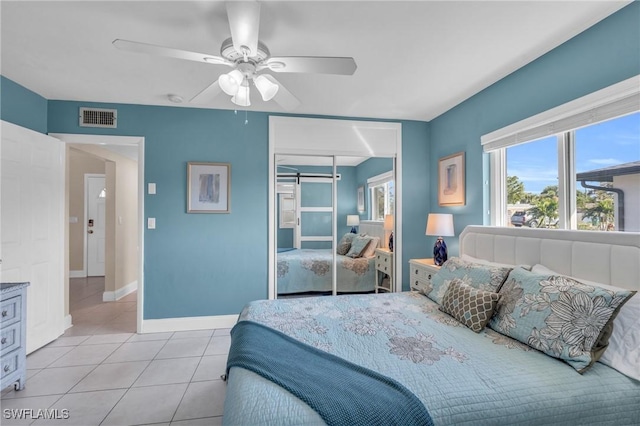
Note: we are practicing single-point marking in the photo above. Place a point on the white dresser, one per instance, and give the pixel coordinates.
(421, 271)
(13, 355)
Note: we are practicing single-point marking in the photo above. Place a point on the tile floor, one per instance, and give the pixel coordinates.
(104, 373)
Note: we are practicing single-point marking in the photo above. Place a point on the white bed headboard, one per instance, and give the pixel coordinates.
(605, 257)
(374, 229)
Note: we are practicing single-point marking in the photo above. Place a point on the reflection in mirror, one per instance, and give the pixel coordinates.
(306, 245)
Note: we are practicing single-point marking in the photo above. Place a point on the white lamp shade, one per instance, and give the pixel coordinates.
(230, 83)
(388, 222)
(266, 88)
(242, 97)
(353, 220)
(440, 224)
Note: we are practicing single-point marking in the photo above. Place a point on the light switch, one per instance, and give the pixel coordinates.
(119, 220)
(73, 219)
(151, 223)
(152, 188)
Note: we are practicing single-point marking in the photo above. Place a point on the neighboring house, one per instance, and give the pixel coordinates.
(626, 181)
(210, 266)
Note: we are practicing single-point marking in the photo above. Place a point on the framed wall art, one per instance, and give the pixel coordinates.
(208, 187)
(451, 188)
(361, 199)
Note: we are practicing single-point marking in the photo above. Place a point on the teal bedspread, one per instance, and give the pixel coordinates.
(310, 270)
(342, 393)
(463, 378)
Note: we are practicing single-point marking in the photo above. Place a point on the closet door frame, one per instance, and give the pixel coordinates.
(332, 137)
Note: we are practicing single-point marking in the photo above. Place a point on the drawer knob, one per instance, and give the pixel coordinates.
(416, 283)
(429, 276)
(416, 271)
(6, 368)
(3, 341)
(4, 313)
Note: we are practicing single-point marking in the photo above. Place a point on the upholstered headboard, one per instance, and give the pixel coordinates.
(375, 229)
(605, 257)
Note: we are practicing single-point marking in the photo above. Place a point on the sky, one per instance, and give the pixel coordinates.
(598, 146)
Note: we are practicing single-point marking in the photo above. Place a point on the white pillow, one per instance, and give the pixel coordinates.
(490, 263)
(370, 250)
(623, 352)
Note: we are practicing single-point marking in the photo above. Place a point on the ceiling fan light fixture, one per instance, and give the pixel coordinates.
(230, 83)
(266, 88)
(242, 97)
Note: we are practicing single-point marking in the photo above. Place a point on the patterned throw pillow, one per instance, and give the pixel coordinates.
(358, 245)
(345, 243)
(483, 277)
(557, 315)
(471, 306)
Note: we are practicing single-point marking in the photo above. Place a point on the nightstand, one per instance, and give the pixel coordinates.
(420, 271)
(384, 264)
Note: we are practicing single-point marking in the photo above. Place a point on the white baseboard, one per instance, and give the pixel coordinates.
(77, 274)
(188, 323)
(67, 322)
(111, 296)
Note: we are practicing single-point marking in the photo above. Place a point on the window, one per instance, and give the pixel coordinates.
(532, 184)
(382, 195)
(607, 164)
(574, 167)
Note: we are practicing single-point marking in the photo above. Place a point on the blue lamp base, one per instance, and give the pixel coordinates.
(354, 230)
(439, 252)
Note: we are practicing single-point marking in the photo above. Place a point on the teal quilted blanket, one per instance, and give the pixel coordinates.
(341, 392)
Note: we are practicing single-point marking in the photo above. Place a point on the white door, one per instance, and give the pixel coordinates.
(95, 197)
(32, 225)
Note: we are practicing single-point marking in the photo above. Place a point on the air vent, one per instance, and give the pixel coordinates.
(98, 117)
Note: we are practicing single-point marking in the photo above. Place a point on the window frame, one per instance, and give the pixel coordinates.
(609, 103)
(372, 183)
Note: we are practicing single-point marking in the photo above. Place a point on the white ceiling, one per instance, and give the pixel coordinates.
(415, 59)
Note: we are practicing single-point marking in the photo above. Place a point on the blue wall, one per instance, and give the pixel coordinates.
(212, 264)
(195, 264)
(604, 54)
(21, 106)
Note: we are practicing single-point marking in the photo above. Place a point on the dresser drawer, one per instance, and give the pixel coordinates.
(9, 363)
(419, 285)
(420, 273)
(10, 310)
(9, 338)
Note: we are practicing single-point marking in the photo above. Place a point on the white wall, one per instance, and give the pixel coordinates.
(630, 184)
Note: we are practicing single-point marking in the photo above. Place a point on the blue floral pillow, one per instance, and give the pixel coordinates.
(358, 245)
(483, 277)
(557, 315)
(345, 243)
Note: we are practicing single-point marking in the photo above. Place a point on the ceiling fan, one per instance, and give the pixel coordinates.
(248, 57)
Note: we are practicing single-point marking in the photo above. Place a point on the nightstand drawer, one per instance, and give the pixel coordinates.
(419, 285)
(420, 273)
(10, 310)
(9, 364)
(9, 338)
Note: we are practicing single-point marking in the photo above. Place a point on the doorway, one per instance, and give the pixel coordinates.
(95, 224)
(124, 248)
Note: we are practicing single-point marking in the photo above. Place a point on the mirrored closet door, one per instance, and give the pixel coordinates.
(334, 198)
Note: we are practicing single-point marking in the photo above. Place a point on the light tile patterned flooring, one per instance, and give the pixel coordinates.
(104, 373)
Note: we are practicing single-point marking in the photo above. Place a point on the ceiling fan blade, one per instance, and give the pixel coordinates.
(284, 98)
(244, 23)
(136, 47)
(207, 94)
(313, 64)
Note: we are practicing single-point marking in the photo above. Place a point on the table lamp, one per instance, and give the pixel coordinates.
(388, 226)
(440, 224)
(353, 220)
